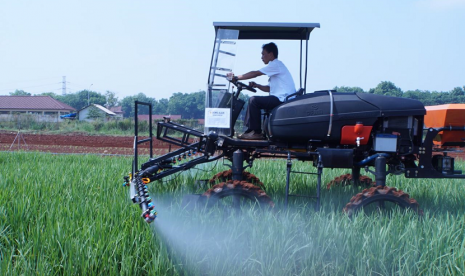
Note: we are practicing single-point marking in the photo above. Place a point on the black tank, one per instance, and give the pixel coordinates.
(307, 117)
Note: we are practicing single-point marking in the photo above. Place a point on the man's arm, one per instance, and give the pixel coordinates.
(264, 88)
(249, 75)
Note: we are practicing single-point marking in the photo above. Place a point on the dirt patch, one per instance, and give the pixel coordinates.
(78, 143)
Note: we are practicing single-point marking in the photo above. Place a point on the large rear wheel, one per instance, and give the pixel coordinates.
(381, 198)
(236, 195)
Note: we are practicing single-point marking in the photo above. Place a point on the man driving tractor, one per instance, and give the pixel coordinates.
(280, 85)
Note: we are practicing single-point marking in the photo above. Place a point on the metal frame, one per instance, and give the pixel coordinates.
(136, 133)
(271, 31)
(259, 31)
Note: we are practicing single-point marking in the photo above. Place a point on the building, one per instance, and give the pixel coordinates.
(118, 111)
(45, 108)
(95, 111)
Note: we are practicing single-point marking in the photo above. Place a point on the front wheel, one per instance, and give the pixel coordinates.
(381, 198)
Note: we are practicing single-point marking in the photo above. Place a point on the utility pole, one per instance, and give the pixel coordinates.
(63, 87)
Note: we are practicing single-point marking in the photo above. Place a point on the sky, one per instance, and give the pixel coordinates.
(163, 47)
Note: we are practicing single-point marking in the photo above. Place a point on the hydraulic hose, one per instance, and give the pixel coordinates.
(371, 158)
(150, 170)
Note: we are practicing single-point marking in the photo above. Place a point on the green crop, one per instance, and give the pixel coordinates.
(70, 215)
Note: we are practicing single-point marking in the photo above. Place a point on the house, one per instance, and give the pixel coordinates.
(45, 108)
(95, 111)
(118, 111)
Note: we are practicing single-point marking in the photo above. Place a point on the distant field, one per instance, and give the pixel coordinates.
(70, 215)
(78, 143)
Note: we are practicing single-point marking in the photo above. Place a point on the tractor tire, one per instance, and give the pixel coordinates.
(347, 179)
(236, 194)
(225, 176)
(380, 195)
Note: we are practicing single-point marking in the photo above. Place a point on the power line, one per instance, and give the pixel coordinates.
(8, 82)
(22, 88)
(69, 86)
(79, 85)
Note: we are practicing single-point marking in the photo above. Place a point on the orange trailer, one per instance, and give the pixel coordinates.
(447, 115)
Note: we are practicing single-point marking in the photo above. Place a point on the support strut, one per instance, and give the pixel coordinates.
(380, 171)
(237, 169)
(356, 175)
(318, 188)
(237, 165)
(289, 166)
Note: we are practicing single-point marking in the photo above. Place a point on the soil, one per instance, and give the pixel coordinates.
(78, 143)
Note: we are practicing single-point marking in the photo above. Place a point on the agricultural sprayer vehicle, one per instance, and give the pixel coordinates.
(380, 134)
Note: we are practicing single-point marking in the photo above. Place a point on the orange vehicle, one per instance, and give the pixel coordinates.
(446, 115)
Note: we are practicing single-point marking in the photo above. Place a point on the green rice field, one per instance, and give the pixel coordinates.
(71, 215)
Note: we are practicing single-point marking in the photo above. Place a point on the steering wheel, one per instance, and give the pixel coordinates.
(241, 85)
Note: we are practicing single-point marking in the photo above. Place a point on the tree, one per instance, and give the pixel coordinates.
(127, 104)
(177, 105)
(112, 100)
(188, 105)
(457, 91)
(50, 94)
(416, 94)
(160, 107)
(348, 89)
(386, 88)
(83, 98)
(20, 93)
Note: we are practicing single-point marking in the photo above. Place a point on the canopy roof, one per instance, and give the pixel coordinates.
(261, 30)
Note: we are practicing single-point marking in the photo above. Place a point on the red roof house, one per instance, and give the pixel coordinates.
(45, 107)
(117, 110)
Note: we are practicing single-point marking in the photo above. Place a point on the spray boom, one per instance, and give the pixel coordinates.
(141, 196)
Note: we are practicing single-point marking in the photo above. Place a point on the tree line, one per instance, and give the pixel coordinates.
(192, 105)
(387, 88)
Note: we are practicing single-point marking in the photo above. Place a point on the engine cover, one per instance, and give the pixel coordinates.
(307, 118)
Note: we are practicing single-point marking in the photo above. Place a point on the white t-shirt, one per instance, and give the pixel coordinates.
(281, 82)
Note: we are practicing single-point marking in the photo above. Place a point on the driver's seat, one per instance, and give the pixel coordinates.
(299, 93)
(266, 112)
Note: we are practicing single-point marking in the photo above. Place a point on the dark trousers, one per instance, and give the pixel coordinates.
(253, 114)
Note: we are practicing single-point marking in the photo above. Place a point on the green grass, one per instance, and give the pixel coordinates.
(125, 127)
(300, 241)
(70, 215)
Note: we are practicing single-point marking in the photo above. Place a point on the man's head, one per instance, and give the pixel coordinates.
(269, 52)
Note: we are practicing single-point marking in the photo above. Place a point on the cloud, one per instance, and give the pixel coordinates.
(442, 4)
